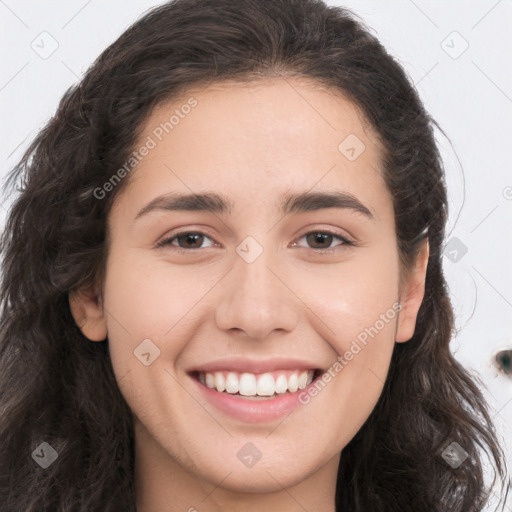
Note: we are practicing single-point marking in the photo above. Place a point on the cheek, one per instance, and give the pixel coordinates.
(147, 320)
(355, 295)
(140, 306)
(358, 310)
(145, 299)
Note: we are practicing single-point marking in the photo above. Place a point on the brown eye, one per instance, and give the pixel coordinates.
(322, 240)
(190, 240)
(319, 240)
(185, 240)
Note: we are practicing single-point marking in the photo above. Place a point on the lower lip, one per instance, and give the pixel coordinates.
(253, 411)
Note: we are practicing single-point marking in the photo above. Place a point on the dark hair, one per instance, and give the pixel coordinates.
(58, 387)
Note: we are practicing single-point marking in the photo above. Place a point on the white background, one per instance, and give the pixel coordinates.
(458, 55)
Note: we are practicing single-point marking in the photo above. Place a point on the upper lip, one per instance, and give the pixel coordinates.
(254, 365)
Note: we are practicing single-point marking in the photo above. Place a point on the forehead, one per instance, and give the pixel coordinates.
(264, 138)
(281, 111)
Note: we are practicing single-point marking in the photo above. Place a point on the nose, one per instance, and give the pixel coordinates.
(257, 299)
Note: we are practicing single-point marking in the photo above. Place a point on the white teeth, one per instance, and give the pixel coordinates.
(210, 380)
(303, 380)
(232, 383)
(247, 384)
(220, 381)
(293, 383)
(264, 385)
(281, 385)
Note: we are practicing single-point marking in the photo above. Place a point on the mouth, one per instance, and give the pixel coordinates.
(257, 386)
(250, 397)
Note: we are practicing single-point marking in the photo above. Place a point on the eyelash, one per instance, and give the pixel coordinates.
(346, 241)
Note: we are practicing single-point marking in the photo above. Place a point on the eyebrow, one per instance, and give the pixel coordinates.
(289, 203)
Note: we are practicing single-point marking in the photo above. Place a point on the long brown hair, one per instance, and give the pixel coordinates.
(58, 387)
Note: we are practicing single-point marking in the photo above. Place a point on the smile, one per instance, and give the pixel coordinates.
(254, 397)
(248, 384)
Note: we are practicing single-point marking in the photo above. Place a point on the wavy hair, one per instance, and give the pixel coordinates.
(58, 387)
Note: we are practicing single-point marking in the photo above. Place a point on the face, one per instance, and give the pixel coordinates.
(256, 288)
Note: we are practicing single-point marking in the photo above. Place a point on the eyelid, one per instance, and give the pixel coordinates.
(165, 241)
(345, 239)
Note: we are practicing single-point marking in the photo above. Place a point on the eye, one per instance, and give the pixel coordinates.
(186, 240)
(322, 240)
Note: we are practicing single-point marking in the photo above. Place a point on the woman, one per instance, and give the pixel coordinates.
(174, 334)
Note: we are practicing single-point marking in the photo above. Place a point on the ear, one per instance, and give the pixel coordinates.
(412, 291)
(87, 310)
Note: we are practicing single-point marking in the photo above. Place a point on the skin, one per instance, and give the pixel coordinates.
(252, 143)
